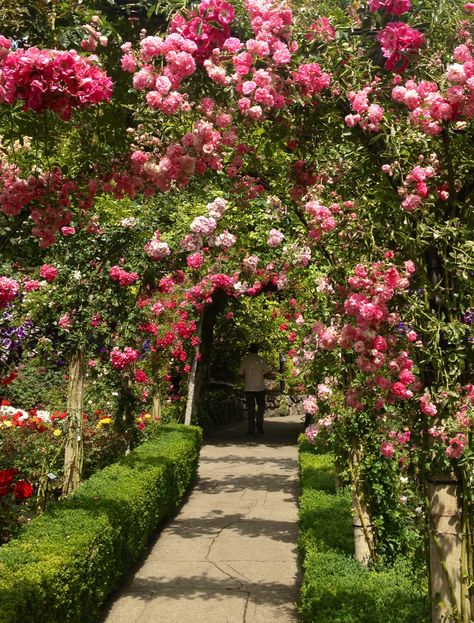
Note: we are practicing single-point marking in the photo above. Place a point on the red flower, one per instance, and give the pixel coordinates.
(22, 490)
(6, 477)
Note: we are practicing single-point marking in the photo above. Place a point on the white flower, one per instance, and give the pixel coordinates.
(128, 222)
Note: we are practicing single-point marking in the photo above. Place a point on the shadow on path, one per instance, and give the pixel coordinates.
(230, 554)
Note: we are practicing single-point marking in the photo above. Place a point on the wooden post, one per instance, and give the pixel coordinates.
(73, 452)
(156, 404)
(448, 552)
(156, 408)
(199, 374)
(364, 542)
(192, 394)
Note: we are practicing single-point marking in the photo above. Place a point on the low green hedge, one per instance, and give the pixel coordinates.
(65, 563)
(335, 587)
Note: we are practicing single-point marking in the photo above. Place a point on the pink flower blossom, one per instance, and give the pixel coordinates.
(275, 237)
(226, 240)
(195, 260)
(311, 433)
(121, 359)
(31, 285)
(387, 449)
(65, 322)
(52, 79)
(140, 376)
(48, 272)
(393, 7)
(122, 277)
(456, 447)
(5, 46)
(310, 405)
(427, 407)
(397, 38)
(157, 249)
(8, 290)
(203, 225)
(324, 391)
(311, 79)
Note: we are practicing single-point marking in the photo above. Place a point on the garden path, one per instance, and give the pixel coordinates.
(230, 554)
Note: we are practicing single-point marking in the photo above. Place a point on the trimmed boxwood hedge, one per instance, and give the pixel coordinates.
(335, 587)
(65, 562)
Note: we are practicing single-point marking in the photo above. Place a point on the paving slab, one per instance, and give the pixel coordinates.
(230, 554)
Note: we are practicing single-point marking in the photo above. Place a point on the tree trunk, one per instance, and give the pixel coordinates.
(364, 542)
(73, 453)
(449, 552)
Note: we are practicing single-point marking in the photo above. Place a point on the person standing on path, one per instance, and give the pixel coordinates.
(254, 369)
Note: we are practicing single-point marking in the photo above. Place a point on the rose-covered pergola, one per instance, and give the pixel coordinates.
(322, 155)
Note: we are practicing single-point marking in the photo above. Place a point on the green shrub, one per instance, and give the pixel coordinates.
(335, 587)
(66, 562)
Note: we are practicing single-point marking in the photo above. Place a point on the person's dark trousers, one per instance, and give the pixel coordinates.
(255, 410)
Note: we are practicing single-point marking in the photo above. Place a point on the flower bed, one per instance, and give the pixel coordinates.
(335, 587)
(32, 444)
(66, 562)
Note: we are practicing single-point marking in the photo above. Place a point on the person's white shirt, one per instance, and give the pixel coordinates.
(253, 367)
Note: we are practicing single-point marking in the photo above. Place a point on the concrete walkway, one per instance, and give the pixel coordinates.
(230, 554)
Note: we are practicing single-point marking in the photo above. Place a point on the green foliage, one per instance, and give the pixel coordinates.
(66, 562)
(335, 587)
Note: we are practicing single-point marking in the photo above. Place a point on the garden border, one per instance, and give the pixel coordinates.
(66, 561)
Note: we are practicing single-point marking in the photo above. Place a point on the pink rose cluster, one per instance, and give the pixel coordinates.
(310, 405)
(195, 261)
(204, 226)
(398, 41)
(122, 277)
(391, 7)
(121, 359)
(47, 195)
(374, 338)
(250, 263)
(460, 425)
(198, 151)
(456, 446)
(429, 107)
(322, 218)
(224, 240)
(190, 41)
(322, 30)
(5, 47)
(52, 79)
(8, 290)
(427, 406)
(156, 249)
(208, 28)
(311, 433)
(367, 115)
(387, 448)
(66, 321)
(48, 273)
(314, 430)
(275, 238)
(311, 79)
(93, 37)
(415, 190)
